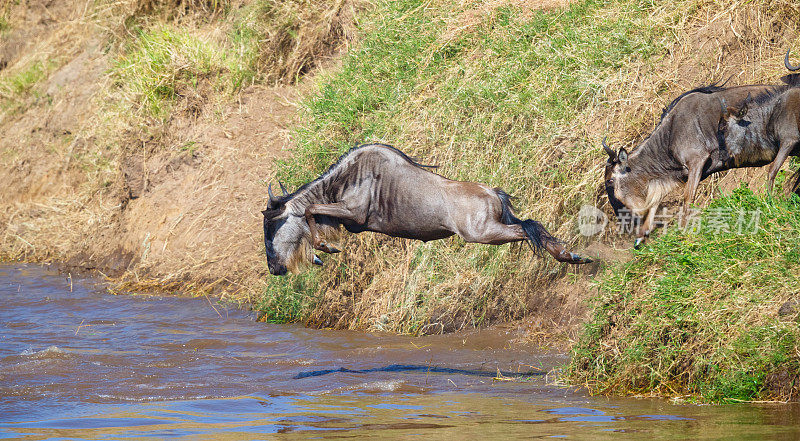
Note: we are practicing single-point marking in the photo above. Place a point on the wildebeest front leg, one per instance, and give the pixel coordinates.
(780, 158)
(647, 226)
(337, 210)
(695, 173)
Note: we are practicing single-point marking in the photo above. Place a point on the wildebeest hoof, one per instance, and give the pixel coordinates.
(572, 258)
(638, 243)
(578, 260)
(331, 250)
(328, 249)
(575, 259)
(317, 260)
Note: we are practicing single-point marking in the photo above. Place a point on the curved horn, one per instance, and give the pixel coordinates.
(611, 153)
(283, 188)
(789, 66)
(269, 191)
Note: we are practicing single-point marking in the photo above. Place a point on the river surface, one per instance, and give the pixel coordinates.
(79, 363)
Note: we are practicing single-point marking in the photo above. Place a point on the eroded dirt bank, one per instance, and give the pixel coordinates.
(173, 203)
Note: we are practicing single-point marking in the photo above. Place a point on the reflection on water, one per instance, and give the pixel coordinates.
(86, 364)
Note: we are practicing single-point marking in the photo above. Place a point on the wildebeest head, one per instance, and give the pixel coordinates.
(622, 189)
(286, 235)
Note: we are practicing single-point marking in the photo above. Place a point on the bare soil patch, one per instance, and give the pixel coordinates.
(191, 212)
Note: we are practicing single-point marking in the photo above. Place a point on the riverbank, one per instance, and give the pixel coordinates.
(139, 138)
(711, 312)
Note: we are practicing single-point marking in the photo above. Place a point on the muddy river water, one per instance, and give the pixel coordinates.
(79, 363)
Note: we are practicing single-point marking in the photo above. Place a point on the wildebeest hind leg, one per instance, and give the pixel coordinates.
(498, 233)
(560, 253)
(336, 210)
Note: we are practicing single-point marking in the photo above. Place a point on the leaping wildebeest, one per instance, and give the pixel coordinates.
(686, 147)
(376, 187)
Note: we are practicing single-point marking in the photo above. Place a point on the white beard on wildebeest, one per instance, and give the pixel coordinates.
(689, 144)
(376, 187)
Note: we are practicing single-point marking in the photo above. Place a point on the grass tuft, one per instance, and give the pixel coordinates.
(696, 313)
(283, 40)
(166, 63)
(289, 299)
(18, 86)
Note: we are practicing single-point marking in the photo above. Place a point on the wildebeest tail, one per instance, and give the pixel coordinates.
(537, 235)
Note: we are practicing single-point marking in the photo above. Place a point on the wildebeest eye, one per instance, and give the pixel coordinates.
(270, 213)
(627, 169)
(272, 227)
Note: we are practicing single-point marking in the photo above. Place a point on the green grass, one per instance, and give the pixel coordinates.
(5, 26)
(502, 84)
(291, 299)
(166, 62)
(245, 37)
(16, 87)
(695, 313)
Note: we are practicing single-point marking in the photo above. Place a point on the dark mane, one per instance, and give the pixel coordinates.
(285, 198)
(766, 96)
(711, 88)
(411, 160)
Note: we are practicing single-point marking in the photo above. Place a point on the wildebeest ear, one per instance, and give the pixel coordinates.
(791, 79)
(622, 156)
(729, 112)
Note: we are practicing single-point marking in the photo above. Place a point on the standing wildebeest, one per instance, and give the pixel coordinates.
(684, 147)
(764, 129)
(376, 187)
